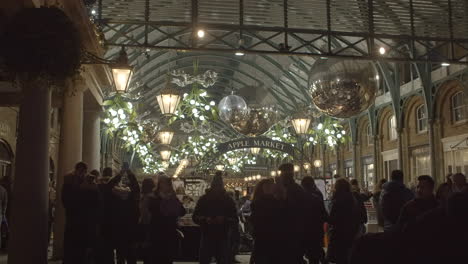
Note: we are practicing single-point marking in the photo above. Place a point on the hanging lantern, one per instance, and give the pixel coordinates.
(301, 123)
(306, 166)
(255, 151)
(297, 168)
(121, 72)
(165, 136)
(219, 167)
(317, 163)
(168, 99)
(165, 153)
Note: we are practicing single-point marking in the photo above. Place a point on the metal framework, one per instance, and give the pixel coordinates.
(410, 31)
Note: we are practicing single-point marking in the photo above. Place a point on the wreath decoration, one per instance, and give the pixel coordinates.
(42, 42)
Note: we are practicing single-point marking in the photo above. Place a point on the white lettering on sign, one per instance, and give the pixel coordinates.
(4, 129)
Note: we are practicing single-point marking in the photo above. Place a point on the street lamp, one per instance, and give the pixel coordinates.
(255, 151)
(168, 99)
(301, 123)
(219, 167)
(273, 173)
(297, 168)
(317, 163)
(306, 166)
(165, 136)
(165, 153)
(121, 72)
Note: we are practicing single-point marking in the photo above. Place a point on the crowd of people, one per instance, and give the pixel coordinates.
(108, 216)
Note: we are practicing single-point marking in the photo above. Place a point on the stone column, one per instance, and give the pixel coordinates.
(355, 161)
(377, 175)
(432, 151)
(28, 240)
(400, 149)
(92, 139)
(70, 152)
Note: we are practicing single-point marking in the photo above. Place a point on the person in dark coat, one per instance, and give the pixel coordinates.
(120, 215)
(308, 183)
(361, 198)
(425, 201)
(266, 219)
(316, 217)
(80, 198)
(393, 197)
(215, 212)
(344, 222)
(165, 209)
(295, 216)
(440, 235)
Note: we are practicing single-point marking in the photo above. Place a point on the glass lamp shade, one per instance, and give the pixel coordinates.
(168, 100)
(317, 163)
(306, 166)
(301, 125)
(165, 154)
(255, 151)
(219, 167)
(165, 136)
(122, 76)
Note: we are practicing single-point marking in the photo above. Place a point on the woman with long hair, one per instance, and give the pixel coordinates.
(266, 222)
(344, 222)
(165, 209)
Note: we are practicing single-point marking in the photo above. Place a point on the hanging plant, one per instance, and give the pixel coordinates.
(41, 42)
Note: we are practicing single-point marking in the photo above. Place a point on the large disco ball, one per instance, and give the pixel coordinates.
(232, 108)
(259, 120)
(343, 88)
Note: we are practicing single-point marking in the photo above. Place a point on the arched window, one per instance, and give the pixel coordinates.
(370, 137)
(458, 107)
(392, 128)
(421, 119)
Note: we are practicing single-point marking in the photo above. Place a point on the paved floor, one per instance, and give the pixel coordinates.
(244, 259)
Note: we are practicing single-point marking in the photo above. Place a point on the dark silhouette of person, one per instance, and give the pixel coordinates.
(119, 217)
(425, 201)
(215, 212)
(394, 196)
(267, 222)
(361, 198)
(295, 216)
(315, 218)
(344, 222)
(80, 198)
(105, 246)
(440, 235)
(165, 209)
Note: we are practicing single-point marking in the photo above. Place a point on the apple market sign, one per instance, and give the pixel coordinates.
(255, 142)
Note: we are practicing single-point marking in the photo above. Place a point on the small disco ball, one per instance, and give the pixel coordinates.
(343, 88)
(232, 108)
(258, 121)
